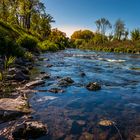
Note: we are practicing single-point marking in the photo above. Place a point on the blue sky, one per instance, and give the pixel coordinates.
(73, 15)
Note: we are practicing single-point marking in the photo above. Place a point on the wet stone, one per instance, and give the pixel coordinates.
(56, 90)
(65, 81)
(82, 74)
(29, 130)
(93, 86)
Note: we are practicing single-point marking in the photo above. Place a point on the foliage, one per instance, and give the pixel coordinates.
(48, 46)
(99, 39)
(28, 55)
(28, 42)
(102, 25)
(79, 42)
(59, 38)
(135, 34)
(119, 29)
(9, 61)
(85, 34)
(1, 76)
(28, 14)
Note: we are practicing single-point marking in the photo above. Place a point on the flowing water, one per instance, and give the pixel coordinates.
(76, 113)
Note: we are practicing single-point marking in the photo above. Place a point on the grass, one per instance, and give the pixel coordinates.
(114, 46)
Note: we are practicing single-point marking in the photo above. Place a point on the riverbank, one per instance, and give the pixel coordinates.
(17, 85)
(127, 47)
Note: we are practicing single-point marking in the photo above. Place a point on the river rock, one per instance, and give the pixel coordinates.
(49, 65)
(34, 83)
(12, 108)
(56, 90)
(65, 81)
(20, 76)
(82, 74)
(30, 130)
(17, 74)
(93, 86)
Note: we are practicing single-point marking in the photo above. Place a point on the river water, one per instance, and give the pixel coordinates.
(76, 113)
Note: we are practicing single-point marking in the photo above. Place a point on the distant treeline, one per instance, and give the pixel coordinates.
(108, 37)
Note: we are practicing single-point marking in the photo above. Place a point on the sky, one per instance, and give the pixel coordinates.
(71, 15)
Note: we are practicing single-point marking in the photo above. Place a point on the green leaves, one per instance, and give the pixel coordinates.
(135, 34)
(9, 61)
(1, 76)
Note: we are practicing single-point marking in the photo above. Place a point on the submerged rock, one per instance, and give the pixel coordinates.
(56, 90)
(65, 81)
(30, 130)
(82, 74)
(93, 86)
(106, 123)
(45, 76)
(49, 65)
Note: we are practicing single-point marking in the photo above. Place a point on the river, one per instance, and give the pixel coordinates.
(76, 113)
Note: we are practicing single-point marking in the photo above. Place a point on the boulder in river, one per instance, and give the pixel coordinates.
(30, 130)
(93, 86)
(66, 81)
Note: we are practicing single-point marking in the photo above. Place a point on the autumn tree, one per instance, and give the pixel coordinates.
(82, 34)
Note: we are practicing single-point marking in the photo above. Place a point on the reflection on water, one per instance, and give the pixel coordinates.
(76, 113)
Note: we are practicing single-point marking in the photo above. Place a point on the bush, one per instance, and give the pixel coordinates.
(48, 46)
(29, 56)
(9, 47)
(28, 42)
(78, 42)
(99, 39)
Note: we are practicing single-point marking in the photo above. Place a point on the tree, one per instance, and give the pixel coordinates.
(135, 34)
(126, 33)
(102, 25)
(4, 10)
(59, 38)
(119, 29)
(28, 14)
(85, 34)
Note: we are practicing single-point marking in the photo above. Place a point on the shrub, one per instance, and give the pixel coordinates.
(78, 42)
(99, 39)
(29, 56)
(135, 34)
(9, 47)
(9, 61)
(28, 42)
(48, 46)
(1, 76)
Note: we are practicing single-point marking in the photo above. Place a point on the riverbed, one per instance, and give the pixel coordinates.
(77, 112)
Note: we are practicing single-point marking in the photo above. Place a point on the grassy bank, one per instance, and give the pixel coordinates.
(114, 46)
(95, 41)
